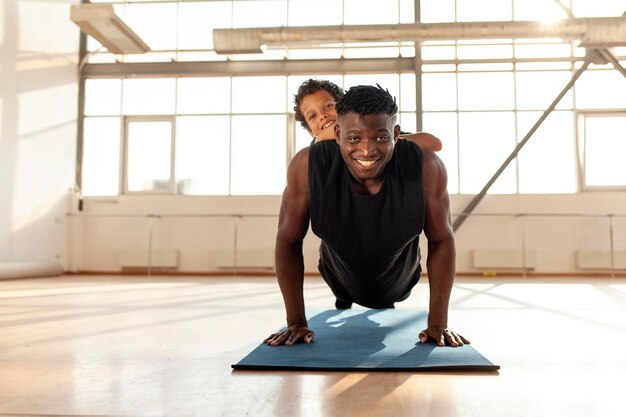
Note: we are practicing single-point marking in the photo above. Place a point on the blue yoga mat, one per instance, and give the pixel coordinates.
(372, 340)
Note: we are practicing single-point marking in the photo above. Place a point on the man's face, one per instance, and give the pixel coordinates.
(319, 112)
(366, 143)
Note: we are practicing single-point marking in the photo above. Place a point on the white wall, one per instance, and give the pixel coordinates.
(38, 108)
(207, 244)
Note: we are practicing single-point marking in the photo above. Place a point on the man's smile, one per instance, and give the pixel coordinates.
(366, 163)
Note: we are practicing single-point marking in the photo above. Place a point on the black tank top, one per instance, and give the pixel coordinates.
(370, 244)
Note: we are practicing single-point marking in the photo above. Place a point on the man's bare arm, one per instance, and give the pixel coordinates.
(441, 252)
(293, 224)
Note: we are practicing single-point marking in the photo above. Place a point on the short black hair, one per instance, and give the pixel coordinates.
(309, 87)
(365, 100)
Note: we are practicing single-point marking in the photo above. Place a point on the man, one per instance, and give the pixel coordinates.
(368, 196)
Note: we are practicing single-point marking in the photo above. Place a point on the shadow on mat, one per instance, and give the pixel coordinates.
(357, 334)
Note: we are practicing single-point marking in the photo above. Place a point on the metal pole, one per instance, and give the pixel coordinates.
(150, 224)
(80, 121)
(235, 271)
(611, 58)
(566, 9)
(470, 207)
(611, 246)
(523, 245)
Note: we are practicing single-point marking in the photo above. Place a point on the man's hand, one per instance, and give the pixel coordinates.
(294, 333)
(442, 336)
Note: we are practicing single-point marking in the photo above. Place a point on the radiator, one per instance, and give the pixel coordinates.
(496, 259)
(600, 259)
(140, 259)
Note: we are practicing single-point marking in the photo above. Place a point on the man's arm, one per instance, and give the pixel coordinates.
(424, 140)
(293, 224)
(441, 252)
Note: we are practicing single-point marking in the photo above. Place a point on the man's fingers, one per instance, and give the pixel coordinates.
(290, 336)
(294, 337)
(278, 339)
(442, 337)
(270, 337)
(451, 338)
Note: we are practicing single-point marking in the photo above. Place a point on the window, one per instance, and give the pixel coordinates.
(203, 155)
(603, 138)
(101, 156)
(231, 134)
(149, 144)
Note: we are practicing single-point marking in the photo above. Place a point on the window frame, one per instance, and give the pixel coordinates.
(581, 145)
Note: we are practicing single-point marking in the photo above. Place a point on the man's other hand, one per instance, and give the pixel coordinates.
(442, 336)
(289, 336)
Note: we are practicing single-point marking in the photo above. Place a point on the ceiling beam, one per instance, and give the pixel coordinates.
(596, 32)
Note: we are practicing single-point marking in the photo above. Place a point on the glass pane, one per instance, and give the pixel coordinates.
(485, 51)
(363, 12)
(259, 94)
(259, 13)
(485, 141)
(303, 12)
(149, 96)
(439, 68)
(196, 22)
(439, 91)
(407, 92)
(259, 155)
(430, 53)
(550, 50)
(486, 91)
(601, 89)
(203, 95)
(484, 66)
(537, 90)
(103, 97)
(605, 147)
(101, 156)
(202, 155)
(149, 155)
(546, 11)
(433, 11)
(154, 23)
(532, 66)
(547, 163)
(407, 11)
(444, 126)
(408, 122)
(303, 138)
(597, 8)
(484, 10)
(407, 51)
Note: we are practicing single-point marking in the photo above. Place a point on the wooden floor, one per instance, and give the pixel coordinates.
(163, 346)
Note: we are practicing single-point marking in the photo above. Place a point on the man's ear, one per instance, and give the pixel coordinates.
(337, 131)
(396, 133)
